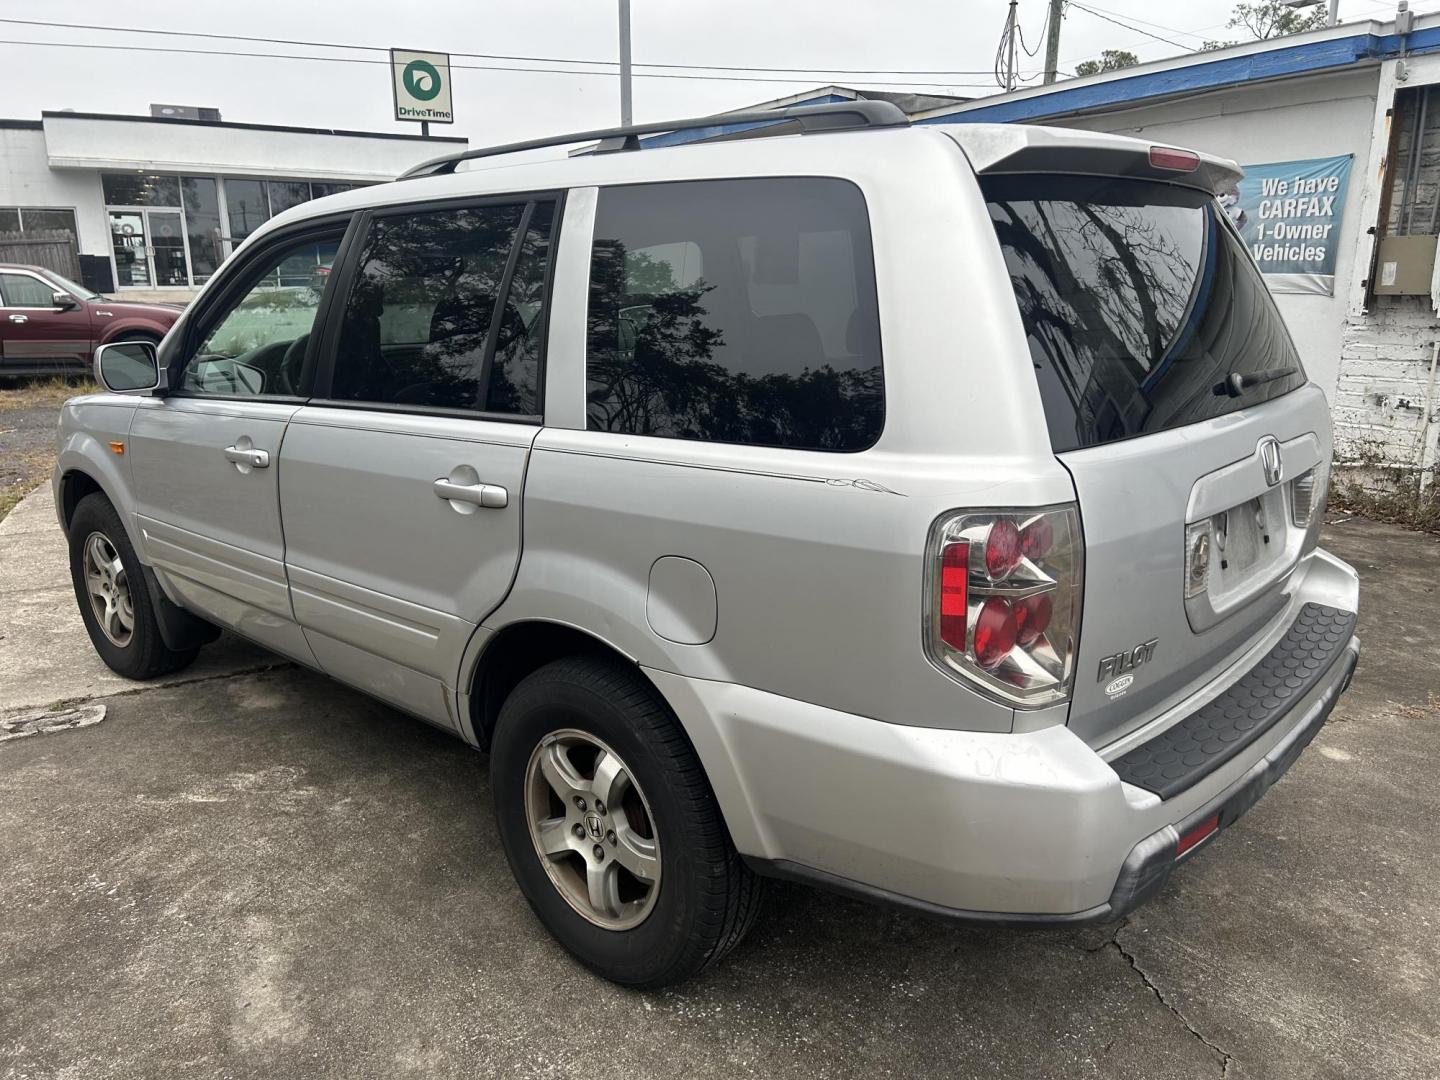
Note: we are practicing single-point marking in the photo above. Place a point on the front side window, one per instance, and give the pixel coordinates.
(22, 290)
(737, 311)
(257, 344)
(447, 310)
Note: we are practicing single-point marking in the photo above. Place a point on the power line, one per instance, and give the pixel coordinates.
(1096, 10)
(1128, 26)
(482, 56)
(465, 67)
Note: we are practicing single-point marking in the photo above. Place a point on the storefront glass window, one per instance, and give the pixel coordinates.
(287, 193)
(9, 220)
(245, 200)
(322, 190)
(202, 226)
(124, 189)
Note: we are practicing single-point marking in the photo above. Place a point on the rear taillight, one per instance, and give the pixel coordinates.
(1307, 495)
(1003, 601)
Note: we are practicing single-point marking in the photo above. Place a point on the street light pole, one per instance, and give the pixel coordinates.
(626, 113)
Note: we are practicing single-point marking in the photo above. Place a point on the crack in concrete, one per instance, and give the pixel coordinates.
(279, 664)
(1226, 1058)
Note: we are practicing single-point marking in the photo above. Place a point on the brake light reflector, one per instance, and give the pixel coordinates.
(1189, 839)
(1032, 618)
(994, 632)
(1003, 601)
(1166, 157)
(954, 579)
(1002, 549)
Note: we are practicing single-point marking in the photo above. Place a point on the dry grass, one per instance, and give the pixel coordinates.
(38, 393)
(21, 474)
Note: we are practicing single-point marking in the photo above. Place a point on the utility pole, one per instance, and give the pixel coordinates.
(1011, 31)
(626, 113)
(1052, 41)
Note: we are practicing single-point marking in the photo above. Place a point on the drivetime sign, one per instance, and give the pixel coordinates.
(422, 86)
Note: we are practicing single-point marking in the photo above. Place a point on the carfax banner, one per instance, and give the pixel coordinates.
(1289, 213)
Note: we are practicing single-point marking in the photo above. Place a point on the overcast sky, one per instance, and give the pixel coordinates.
(950, 36)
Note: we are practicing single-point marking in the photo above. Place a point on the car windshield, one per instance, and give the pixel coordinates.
(69, 286)
(1139, 301)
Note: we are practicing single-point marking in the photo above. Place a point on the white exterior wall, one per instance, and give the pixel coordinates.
(80, 142)
(1318, 116)
(26, 179)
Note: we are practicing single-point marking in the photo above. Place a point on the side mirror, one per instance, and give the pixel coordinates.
(65, 302)
(127, 367)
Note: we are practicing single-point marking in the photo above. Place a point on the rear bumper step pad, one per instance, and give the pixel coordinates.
(1187, 752)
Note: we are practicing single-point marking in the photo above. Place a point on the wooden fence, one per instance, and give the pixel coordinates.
(54, 249)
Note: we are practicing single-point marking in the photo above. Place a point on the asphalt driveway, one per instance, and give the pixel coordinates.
(264, 874)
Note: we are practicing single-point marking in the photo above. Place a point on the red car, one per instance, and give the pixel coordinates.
(50, 324)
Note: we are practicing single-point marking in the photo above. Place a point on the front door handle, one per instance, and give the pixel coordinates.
(490, 496)
(248, 455)
(19, 318)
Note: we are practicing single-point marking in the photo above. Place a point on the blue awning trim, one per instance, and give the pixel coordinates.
(1197, 77)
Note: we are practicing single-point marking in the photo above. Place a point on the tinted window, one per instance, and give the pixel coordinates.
(130, 189)
(248, 207)
(22, 290)
(40, 220)
(421, 325)
(256, 345)
(1138, 300)
(738, 311)
(202, 225)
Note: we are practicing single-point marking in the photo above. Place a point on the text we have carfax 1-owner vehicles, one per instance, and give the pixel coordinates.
(926, 514)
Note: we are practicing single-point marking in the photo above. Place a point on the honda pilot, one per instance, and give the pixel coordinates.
(926, 513)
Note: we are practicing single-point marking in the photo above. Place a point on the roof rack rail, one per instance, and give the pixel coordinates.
(802, 119)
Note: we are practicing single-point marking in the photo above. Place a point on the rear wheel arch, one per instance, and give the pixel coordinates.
(513, 653)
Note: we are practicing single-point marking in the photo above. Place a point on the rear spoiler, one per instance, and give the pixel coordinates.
(1007, 148)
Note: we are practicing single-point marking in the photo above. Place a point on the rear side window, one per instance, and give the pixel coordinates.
(1138, 300)
(736, 311)
(446, 310)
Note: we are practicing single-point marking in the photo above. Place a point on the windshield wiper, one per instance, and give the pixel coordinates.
(1236, 383)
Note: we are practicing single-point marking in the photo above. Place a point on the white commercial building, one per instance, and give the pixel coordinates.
(155, 204)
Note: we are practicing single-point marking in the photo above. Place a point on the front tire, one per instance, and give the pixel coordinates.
(611, 828)
(112, 595)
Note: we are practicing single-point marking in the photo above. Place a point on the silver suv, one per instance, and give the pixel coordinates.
(925, 513)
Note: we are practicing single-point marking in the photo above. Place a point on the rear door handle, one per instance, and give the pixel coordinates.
(248, 455)
(490, 496)
(19, 318)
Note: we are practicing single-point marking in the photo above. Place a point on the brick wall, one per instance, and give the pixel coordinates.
(1384, 369)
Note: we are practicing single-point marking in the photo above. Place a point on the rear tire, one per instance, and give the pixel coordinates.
(113, 597)
(703, 898)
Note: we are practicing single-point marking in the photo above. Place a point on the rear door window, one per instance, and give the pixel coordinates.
(447, 309)
(1139, 301)
(737, 311)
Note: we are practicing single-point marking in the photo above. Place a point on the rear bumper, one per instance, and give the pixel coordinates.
(1024, 828)
(1149, 862)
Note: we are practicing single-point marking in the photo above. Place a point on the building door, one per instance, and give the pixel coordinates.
(149, 249)
(167, 248)
(131, 249)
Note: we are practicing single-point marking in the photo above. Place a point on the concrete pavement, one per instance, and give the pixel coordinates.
(45, 654)
(267, 875)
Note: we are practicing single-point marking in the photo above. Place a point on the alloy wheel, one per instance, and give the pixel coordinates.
(592, 829)
(108, 588)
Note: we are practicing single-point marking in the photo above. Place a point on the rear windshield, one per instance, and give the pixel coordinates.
(1139, 300)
